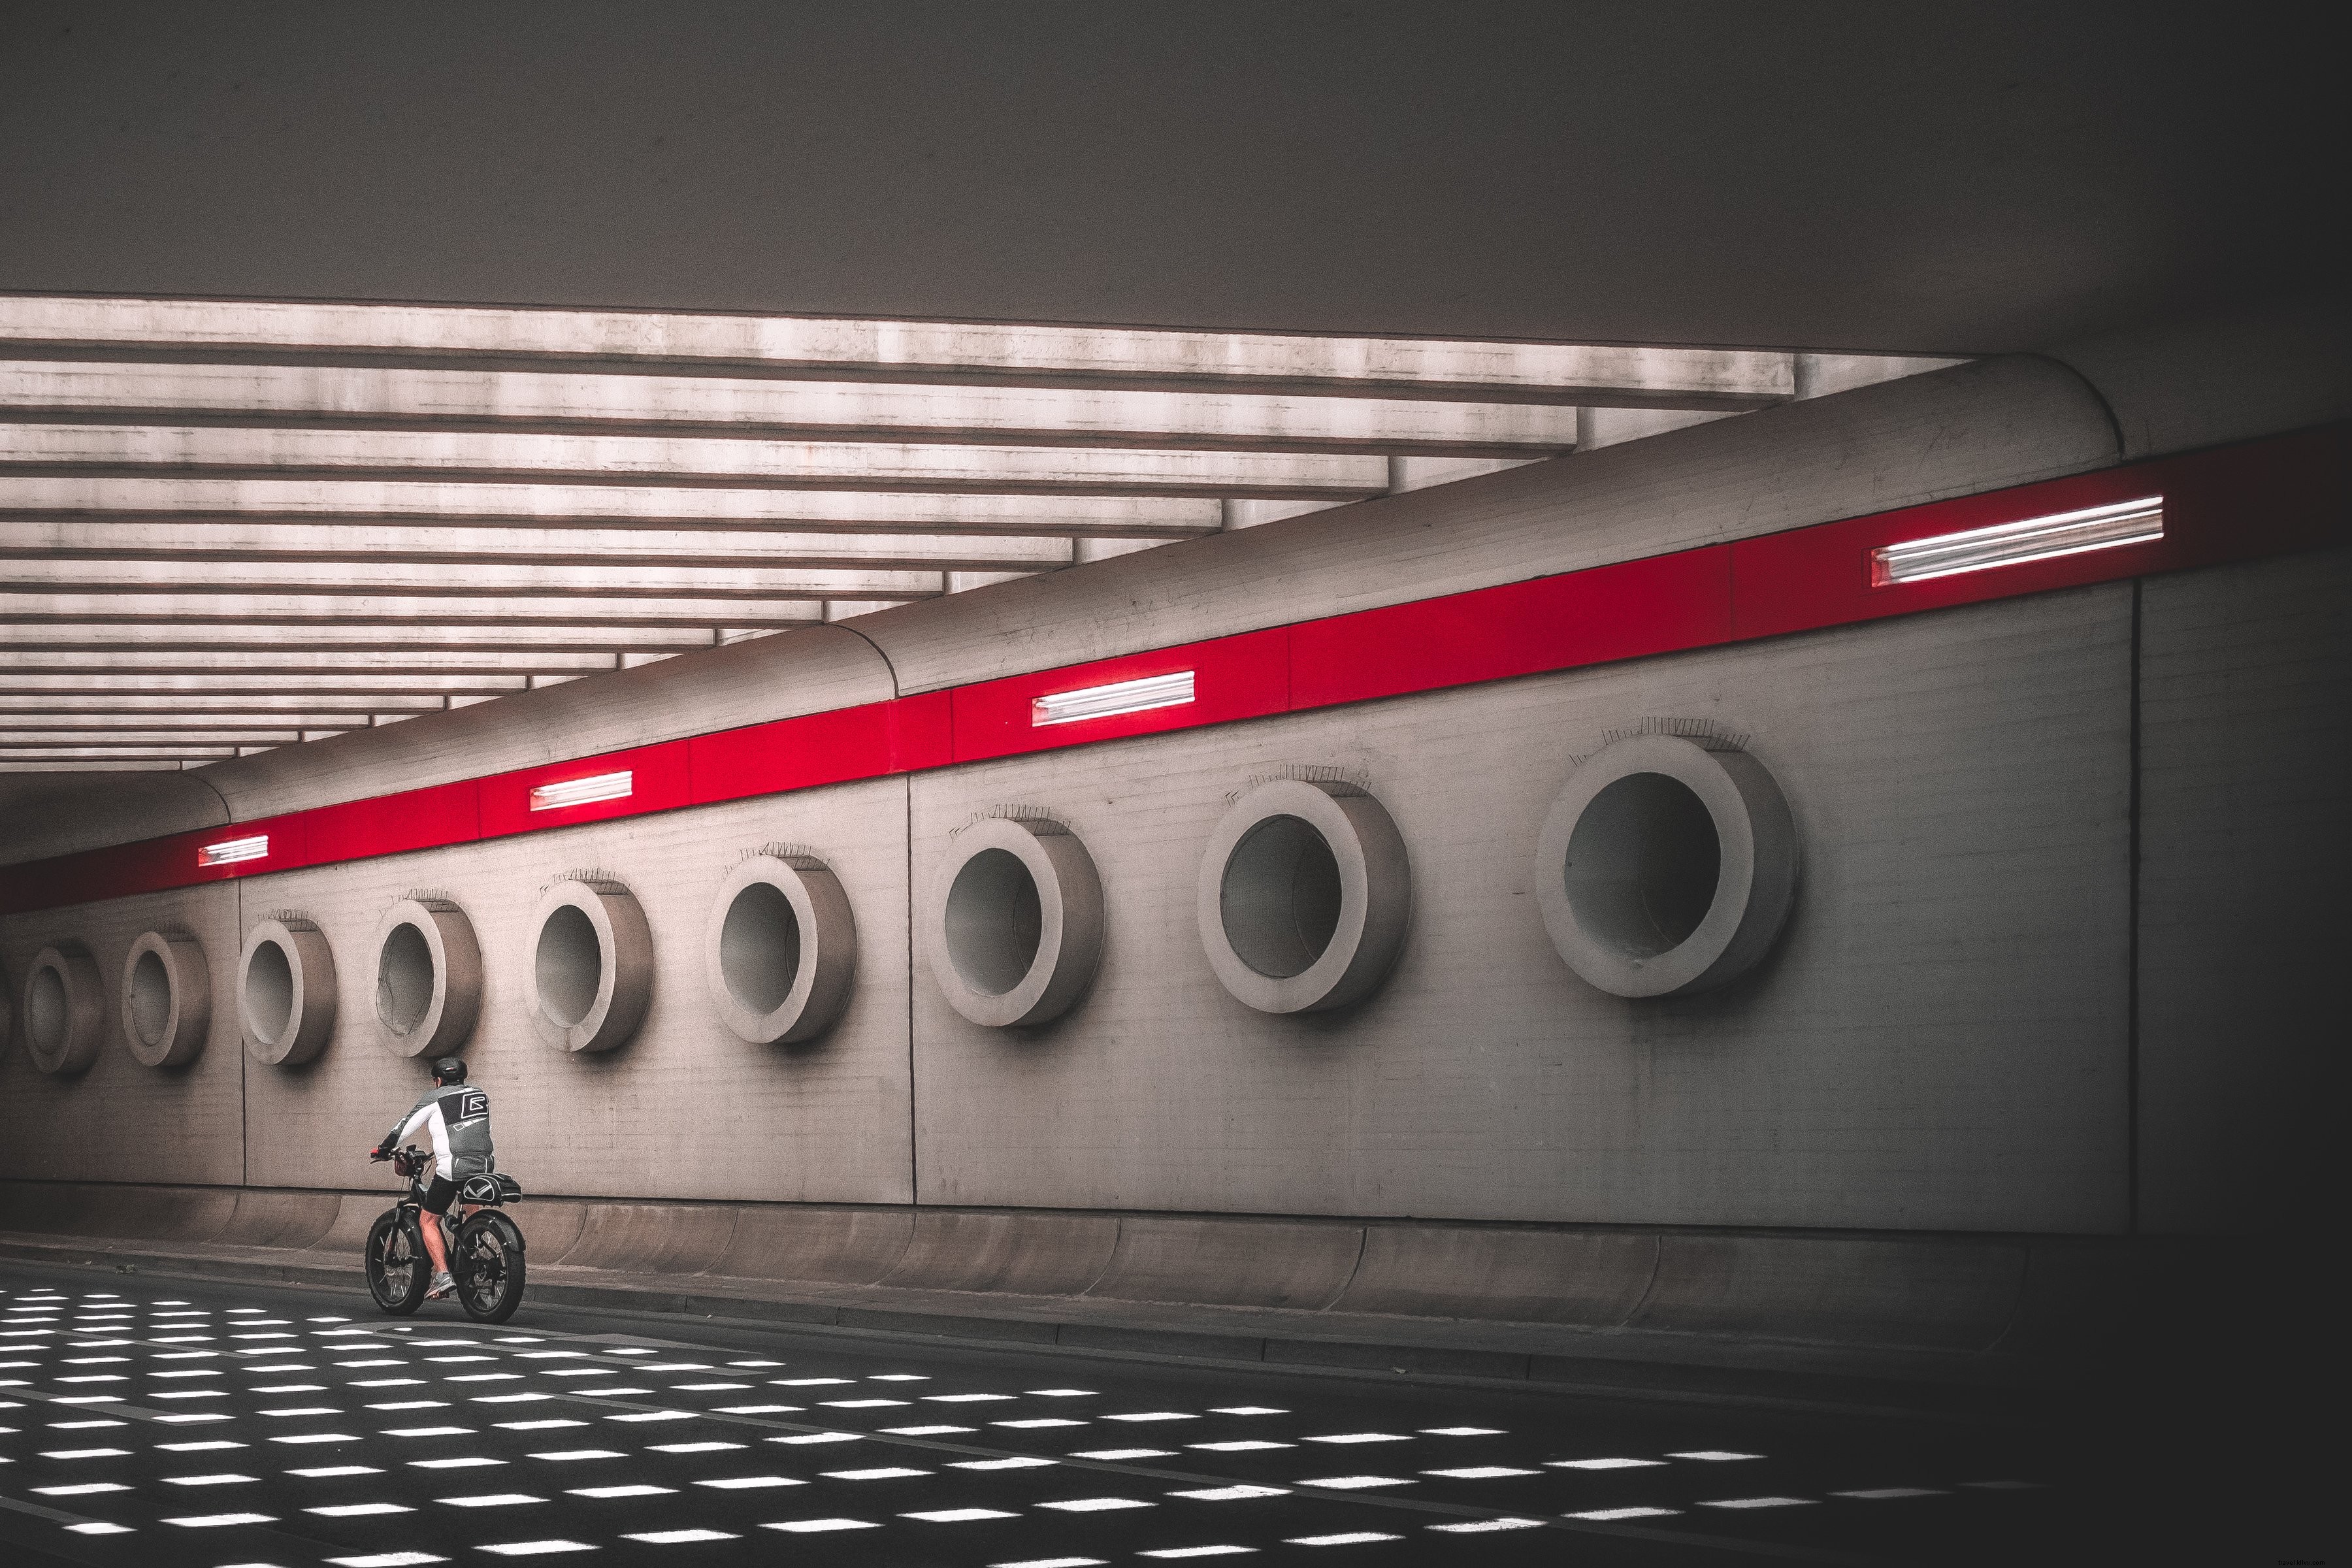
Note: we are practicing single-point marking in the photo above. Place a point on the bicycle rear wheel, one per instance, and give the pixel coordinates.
(488, 1266)
(394, 1262)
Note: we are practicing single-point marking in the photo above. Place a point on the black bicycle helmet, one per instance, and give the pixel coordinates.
(450, 1069)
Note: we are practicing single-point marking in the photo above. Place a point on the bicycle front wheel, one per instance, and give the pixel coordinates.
(488, 1266)
(394, 1262)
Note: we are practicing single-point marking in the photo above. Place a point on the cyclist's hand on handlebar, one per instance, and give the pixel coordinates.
(379, 1156)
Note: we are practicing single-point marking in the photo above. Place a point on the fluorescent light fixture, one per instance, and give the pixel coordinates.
(1121, 697)
(2013, 543)
(581, 792)
(229, 851)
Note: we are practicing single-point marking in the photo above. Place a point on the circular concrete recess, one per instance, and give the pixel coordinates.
(780, 949)
(590, 970)
(1304, 895)
(286, 991)
(61, 1013)
(1665, 867)
(428, 978)
(1015, 924)
(167, 999)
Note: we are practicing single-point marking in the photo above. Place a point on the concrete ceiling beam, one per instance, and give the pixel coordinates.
(176, 496)
(360, 546)
(835, 410)
(297, 625)
(19, 741)
(500, 669)
(359, 590)
(897, 351)
(216, 706)
(113, 762)
(112, 726)
(800, 465)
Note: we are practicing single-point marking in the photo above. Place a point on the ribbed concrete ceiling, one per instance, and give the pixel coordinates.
(231, 525)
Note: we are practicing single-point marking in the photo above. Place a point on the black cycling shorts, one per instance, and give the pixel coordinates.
(439, 1194)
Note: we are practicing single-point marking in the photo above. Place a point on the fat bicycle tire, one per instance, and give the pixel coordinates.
(488, 1266)
(398, 1271)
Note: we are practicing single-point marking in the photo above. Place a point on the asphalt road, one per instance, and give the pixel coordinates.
(147, 1421)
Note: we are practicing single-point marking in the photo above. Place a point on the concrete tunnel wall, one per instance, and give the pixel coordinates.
(1942, 1041)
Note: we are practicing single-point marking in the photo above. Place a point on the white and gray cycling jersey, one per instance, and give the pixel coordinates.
(456, 1119)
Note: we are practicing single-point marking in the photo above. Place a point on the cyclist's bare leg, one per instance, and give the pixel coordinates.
(433, 1246)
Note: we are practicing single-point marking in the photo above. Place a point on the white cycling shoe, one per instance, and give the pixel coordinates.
(441, 1285)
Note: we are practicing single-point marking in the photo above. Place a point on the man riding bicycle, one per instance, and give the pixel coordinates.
(455, 1117)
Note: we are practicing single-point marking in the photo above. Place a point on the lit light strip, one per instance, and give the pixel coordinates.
(2012, 543)
(581, 792)
(1104, 702)
(229, 851)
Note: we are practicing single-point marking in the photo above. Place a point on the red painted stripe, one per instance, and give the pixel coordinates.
(1243, 676)
(2259, 499)
(867, 741)
(658, 783)
(2266, 498)
(387, 825)
(1625, 611)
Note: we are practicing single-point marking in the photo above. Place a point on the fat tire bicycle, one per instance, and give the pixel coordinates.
(485, 1250)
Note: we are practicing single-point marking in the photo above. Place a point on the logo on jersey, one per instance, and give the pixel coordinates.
(471, 1104)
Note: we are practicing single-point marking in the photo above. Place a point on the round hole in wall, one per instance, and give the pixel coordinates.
(269, 989)
(47, 1018)
(1280, 898)
(1643, 864)
(403, 978)
(779, 948)
(590, 978)
(286, 989)
(1014, 924)
(165, 994)
(1304, 895)
(570, 965)
(760, 947)
(151, 998)
(60, 1012)
(994, 921)
(428, 976)
(1665, 865)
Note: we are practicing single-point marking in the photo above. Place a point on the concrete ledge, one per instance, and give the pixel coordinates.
(1232, 1262)
(279, 1219)
(1023, 1254)
(833, 1245)
(1955, 1295)
(1593, 1277)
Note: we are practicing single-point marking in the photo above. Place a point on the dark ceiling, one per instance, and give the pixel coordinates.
(1947, 179)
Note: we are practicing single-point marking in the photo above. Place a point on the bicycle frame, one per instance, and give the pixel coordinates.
(484, 1252)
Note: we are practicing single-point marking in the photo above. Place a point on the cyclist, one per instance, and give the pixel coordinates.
(455, 1116)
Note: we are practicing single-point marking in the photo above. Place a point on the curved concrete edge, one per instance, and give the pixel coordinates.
(2253, 370)
(551, 1226)
(825, 1245)
(141, 1213)
(1987, 425)
(62, 814)
(346, 1232)
(648, 1238)
(1232, 1262)
(1592, 1279)
(807, 670)
(279, 1218)
(1022, 1254)
(1935, 1295)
